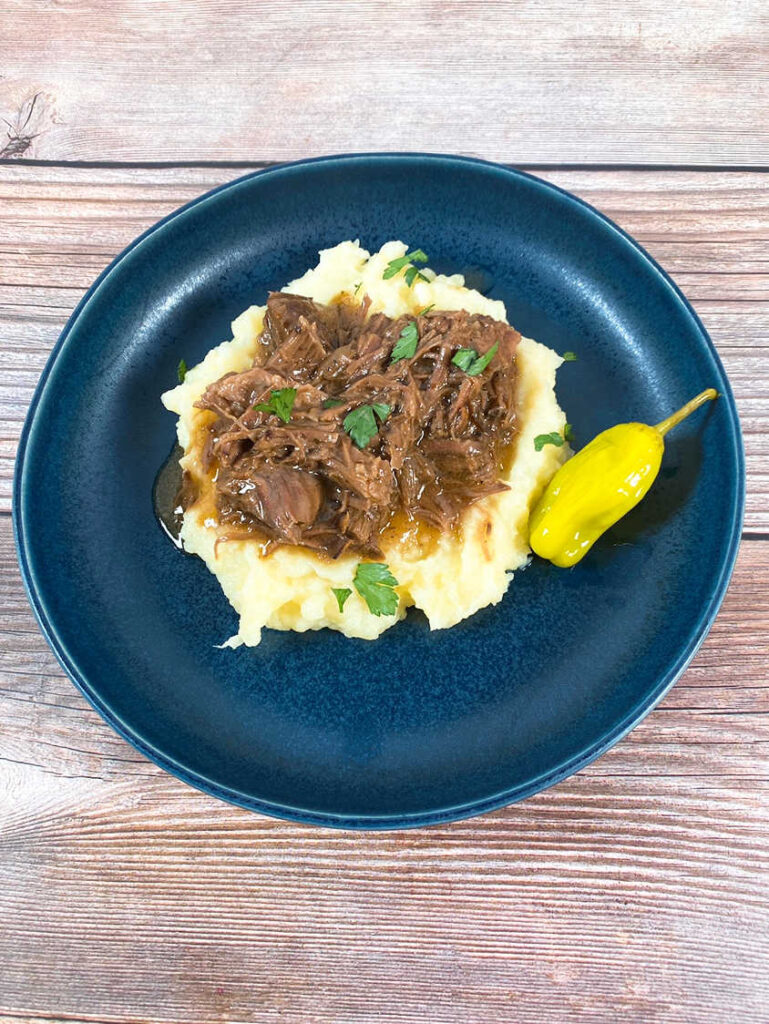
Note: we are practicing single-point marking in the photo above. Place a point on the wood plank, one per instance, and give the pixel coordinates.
(729, 674)
(537, 82)
(545, 912)
(635, 890)
(722, 700)
(60, 226)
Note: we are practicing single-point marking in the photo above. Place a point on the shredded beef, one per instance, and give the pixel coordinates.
(305, 482)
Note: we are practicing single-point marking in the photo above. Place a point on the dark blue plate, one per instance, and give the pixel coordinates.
(416, 727)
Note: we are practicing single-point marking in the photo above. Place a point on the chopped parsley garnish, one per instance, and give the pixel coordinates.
(181, 371)
(332, 403)
(569, 357)
(394, 266)
(568, 433)
(281, 403)
(361, 423)
(341, 594)
(464, 358)
(467, 359)
(542, 439)
(374, 582)
(357, 288)
(426, 310)
(406, 345)
(413, 274)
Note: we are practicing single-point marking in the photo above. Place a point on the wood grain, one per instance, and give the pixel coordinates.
(634, 891)
(642, 82)
(60, 227)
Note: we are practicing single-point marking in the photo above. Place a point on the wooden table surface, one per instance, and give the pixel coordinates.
(637, 890)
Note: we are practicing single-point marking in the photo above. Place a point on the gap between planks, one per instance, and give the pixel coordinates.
(258, 164)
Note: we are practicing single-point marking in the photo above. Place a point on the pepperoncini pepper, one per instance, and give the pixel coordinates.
(599, 485)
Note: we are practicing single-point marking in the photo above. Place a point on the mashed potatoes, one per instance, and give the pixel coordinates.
(449, 575)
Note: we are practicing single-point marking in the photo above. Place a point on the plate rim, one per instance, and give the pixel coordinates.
(422, 818)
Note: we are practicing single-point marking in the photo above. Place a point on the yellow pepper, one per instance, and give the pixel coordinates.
(599, 485)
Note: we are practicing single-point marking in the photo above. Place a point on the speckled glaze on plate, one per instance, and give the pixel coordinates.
(417, 727)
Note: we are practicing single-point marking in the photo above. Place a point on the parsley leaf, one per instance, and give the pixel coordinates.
(412, 274)
(374, 582)
(569, 357)
(361, 424)
(406, 345)
(181, 371)
(426, 310)
(341, 594)
(281, 403)
(357, 287)
(482, 362)
(542, 439)
(332, 403)
(568, 433)
(392, 268)
(464, 358)
(467, 359)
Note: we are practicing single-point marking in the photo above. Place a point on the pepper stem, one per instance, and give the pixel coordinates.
(685, 410)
